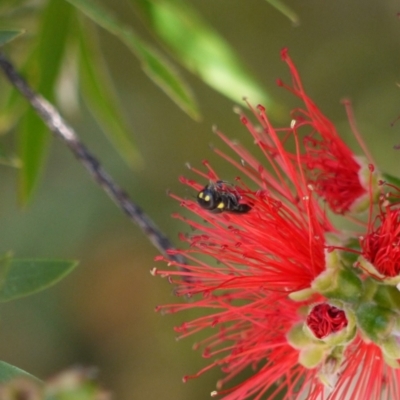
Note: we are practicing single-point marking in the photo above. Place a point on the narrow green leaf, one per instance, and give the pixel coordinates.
(201, 49)
(100, 97)
(55, 27)
(285, 10)
(153, 63)
(19, 278)
(7, 36)
(14, 105)
(8, 372)
(33, 145)
(33, 135)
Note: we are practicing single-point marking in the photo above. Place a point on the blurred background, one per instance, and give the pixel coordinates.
(102, 314)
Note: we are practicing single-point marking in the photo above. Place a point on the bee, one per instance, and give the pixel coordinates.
(218, 197)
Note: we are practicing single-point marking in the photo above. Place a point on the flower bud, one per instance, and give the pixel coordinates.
(322, 337)
(375, 273)
(338, 283)
(376, 322)
(329, 324)
(391, 348)
(311, 357)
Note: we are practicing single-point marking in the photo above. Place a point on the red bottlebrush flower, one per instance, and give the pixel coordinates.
(259, 258)
(263, 255)
(381, 245)
(337, 175)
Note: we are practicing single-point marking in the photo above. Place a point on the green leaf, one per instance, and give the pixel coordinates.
(14, 105)
(8, 372)
(201, 49)
(100, 97)
(54, 31)
(19, 278)
(7, 36)
(33, 135)
(33, 144)
(153, 63)
(285, 10)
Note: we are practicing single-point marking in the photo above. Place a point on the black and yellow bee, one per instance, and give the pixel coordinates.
(219, 197)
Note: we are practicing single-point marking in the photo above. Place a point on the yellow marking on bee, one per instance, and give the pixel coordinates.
(221, 206)
(207, 198)
(201, 195)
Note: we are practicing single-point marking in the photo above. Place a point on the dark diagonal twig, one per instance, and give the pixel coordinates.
(52, 118)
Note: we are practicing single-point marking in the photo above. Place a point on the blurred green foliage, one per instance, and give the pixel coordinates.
(73, 384)
(19, 278)
(101, 315)
(203, 52)
(9, 35)
(9, 372)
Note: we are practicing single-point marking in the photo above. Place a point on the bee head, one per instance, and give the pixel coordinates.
(208, 198)
(211, 199)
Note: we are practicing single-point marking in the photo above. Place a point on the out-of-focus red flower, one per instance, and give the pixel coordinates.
(337, 174)
(381, 244)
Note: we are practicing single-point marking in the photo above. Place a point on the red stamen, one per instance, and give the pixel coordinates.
(325, 319)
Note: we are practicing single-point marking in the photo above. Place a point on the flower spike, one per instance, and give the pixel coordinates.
(304, 311)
